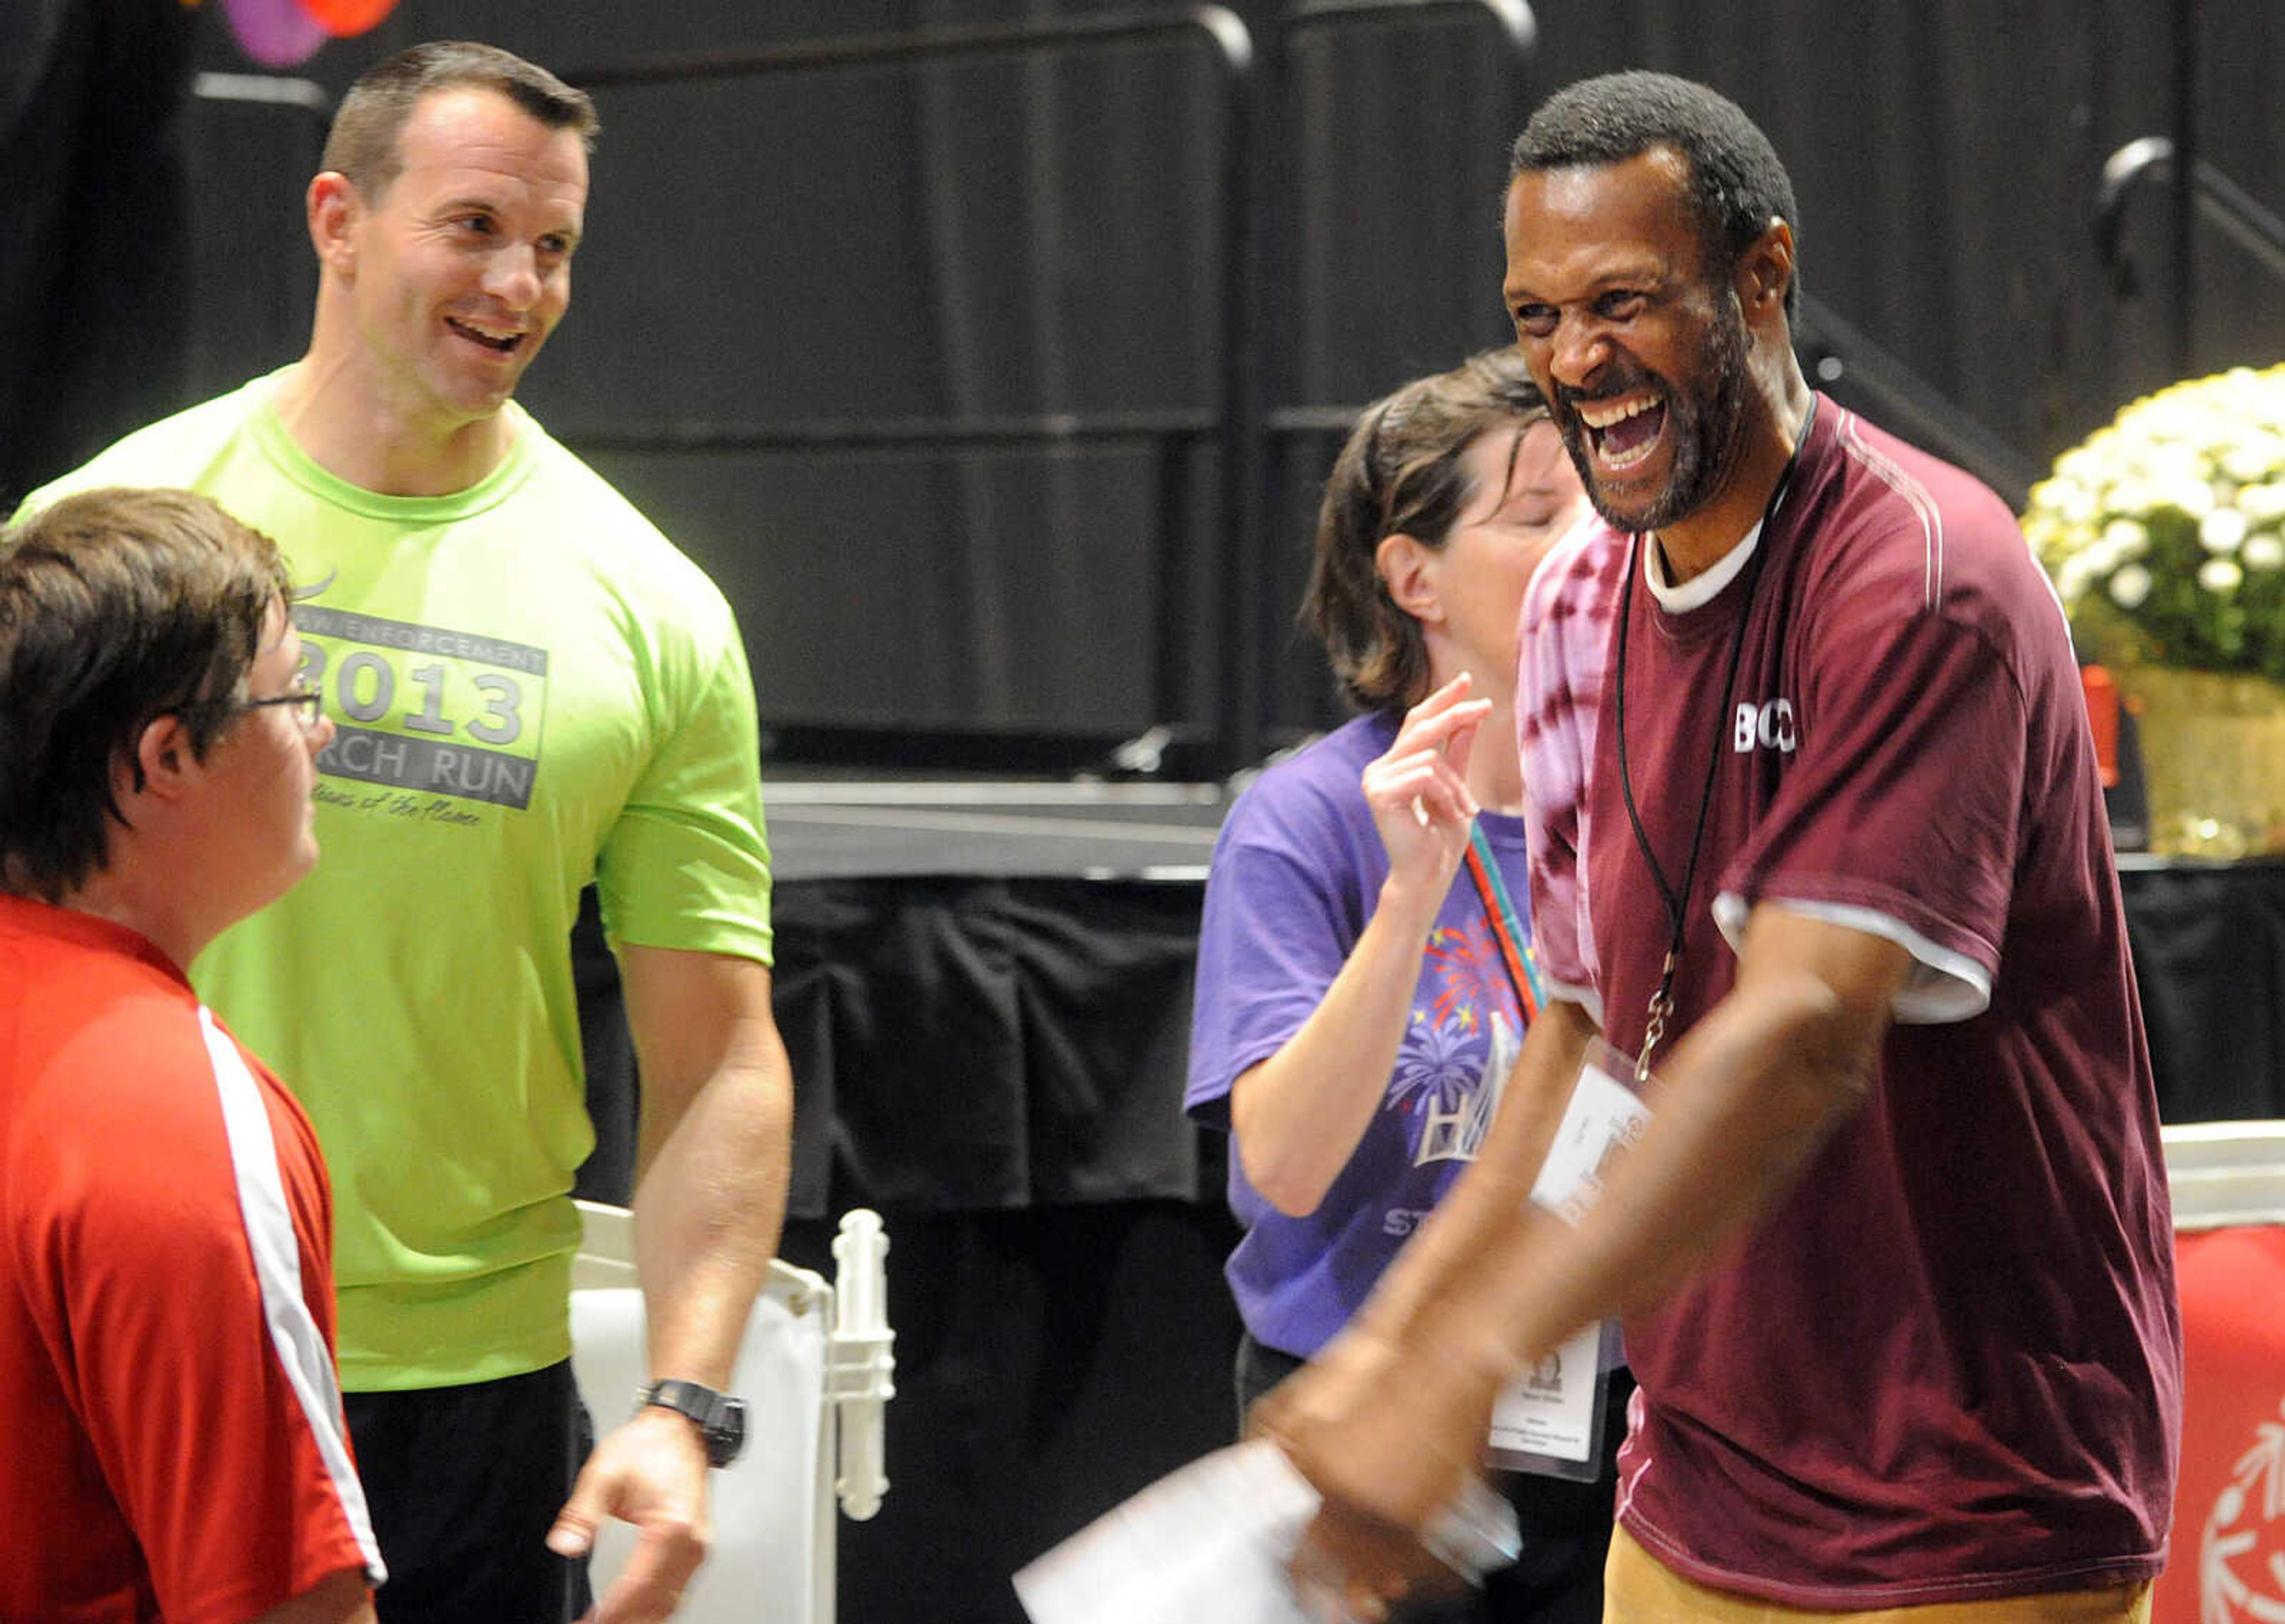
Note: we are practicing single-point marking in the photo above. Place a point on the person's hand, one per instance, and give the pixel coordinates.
(1328, 1389)
(651, 1471)
(1349, 1567)
(1389, 1436)
(1418, 789)
(1383, 1426)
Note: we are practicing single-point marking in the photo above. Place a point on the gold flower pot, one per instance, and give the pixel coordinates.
(2213, 760)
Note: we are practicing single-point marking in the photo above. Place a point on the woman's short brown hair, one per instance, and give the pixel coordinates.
(1401, 473)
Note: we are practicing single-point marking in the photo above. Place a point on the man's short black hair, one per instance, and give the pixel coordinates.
(1737, 185)
(363, 142)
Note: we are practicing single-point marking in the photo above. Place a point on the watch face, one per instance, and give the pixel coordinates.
(721, 1419)
(726, 1436)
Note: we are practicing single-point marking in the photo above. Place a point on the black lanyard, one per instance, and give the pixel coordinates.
(1661, 1002)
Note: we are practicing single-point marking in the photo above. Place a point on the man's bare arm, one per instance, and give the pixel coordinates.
(712, 1151)
(711, 1165)
(1740, 1105)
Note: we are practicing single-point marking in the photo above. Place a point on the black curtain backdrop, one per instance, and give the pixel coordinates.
(95, 226)
(1012, 236)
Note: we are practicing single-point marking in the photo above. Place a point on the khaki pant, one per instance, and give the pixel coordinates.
(1639, 1589)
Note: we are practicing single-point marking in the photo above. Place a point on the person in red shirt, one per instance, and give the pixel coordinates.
(1893, 1247)
(169, 1416)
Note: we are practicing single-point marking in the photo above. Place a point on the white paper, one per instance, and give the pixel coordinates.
(1210, 1540)
(1213, 1542)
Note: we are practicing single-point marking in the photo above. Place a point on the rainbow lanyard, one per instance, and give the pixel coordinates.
(1507, 925)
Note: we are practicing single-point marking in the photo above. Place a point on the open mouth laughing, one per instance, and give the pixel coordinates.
(502, 341)
(1623, 431)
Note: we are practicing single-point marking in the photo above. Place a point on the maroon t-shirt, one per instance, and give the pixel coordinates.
(1947, 1365)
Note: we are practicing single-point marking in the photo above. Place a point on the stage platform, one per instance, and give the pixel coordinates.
(830, 829)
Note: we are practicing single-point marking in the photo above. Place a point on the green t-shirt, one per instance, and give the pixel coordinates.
(532, 688)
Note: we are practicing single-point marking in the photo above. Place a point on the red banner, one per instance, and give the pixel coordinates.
(2228, 1562)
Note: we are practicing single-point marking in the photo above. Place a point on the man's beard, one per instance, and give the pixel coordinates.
(1704, 425)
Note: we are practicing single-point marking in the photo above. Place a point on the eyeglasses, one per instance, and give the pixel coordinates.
(308, 705)
(308, 702)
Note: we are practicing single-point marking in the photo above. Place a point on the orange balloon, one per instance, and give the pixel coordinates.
(342, 18)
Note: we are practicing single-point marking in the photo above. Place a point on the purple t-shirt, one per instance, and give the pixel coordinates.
(1296, 872)
(1946, 1366)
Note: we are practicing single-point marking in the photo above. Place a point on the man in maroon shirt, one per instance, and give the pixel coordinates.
(1893, 1249)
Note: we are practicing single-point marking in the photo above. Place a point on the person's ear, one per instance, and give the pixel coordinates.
(1765, 273)
(1407, 566)
(333, 206)
(163, 758)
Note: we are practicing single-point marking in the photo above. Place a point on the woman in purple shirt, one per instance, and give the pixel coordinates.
(1362, 980)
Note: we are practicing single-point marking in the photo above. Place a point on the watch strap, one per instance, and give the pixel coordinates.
(721, 1419)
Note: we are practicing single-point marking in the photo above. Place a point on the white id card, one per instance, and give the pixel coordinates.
(1548, 1419)
(1604, 1117)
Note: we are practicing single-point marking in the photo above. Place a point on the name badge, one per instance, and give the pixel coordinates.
(1548, 1419)
(1604, 1117)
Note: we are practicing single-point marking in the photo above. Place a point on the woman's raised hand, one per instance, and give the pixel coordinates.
(1418, 789)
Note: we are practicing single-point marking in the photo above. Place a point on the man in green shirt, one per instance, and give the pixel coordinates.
(533, 689)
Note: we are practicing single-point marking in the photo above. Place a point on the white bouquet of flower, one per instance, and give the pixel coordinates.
(2164, 532)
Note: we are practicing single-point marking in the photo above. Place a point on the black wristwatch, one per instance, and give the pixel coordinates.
(721, 1419)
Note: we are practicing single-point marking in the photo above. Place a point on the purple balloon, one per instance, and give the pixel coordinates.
(275, 33)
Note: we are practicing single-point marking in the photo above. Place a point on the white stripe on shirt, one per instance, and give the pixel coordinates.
(301, 1351)
(1945, 986)
(1916, 497)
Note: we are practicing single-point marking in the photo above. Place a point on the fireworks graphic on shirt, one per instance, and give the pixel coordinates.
(1438, 1066)
(1449, 1071)
(1464, 964)
(1456, 1135)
